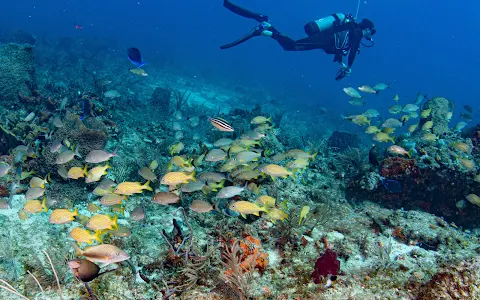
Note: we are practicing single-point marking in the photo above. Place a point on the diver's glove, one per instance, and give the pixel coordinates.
(343, 72)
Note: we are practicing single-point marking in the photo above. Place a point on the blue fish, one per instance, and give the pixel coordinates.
(392, 186)
(135, 57)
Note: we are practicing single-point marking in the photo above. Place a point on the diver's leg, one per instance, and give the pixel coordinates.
(288, 44)
(244, 12)
(260, 29)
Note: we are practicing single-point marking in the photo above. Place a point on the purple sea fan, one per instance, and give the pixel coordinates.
(326, 265)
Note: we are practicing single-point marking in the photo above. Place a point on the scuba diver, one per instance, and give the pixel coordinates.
(337, 34)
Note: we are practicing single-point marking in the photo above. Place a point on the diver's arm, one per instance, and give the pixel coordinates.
(355, 45)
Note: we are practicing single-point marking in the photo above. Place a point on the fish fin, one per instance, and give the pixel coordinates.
(192, 175)
(115, 221)
(76, 152)
(78, 251)
(256, 213)
(147, 186)
(114, 153)
(98, 236)
(44, 204)
(244, 216)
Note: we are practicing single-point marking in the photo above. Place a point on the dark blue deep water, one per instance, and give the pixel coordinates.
(431, 46)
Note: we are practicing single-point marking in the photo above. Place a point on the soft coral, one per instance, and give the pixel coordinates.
(326, 265)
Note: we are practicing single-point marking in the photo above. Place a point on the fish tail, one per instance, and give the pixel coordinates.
(169, 167)
(115, 221)
(44, 204)
(313, 156)
(78, 251)
(85, 172)
(107, 166)
(48, 179)
(98, 236)
(147, 187)
(114, 153)
(192, 175)
(269, 120)
(77, 153)
(75, 212)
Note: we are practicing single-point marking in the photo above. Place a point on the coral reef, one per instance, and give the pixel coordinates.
(18, 73)
(343, 140)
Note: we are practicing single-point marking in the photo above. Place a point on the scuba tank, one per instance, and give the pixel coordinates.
(336, 22)
(327, 23)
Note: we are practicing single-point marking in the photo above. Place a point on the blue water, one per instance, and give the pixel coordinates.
(429, 45)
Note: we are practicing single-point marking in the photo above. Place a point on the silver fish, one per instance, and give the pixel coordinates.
(352, 92)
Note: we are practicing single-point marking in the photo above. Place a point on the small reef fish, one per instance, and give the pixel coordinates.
(266, 201)
(201, 206)
(410, 107)
(427, 126)
(62, 216)
(77, 172)
(101, 222)
(350, 91)
(260, 120)
(425, 113)
(420, 97)
(211, 177)
(253, 135)
(247, 156)
(396, 98)
(4, 169)
(138, 72)
(383, 138)
(412, 128)
(394, 149)
(221, 124)
(461, 146)
(223, 142)
(215, 155)
(367, 89)
(303, 214)
(37, 182)
(67, 156)
(474, 199)
(57, 122)
(165, 198)
(193, 186)
(246, 208)
(84, 236)
(299, 163)
(95, 174)
(112, 199)
(83, 269)
(175, 178)
(176, 148)
(153, 165)
(55, 146)
(392, 123)
(138, 213)
(276, 171)
(35, 206)
(62, 172)
(360, 120)
(459, 127)
(99, 156)
(372, 130)
(276, 214)
(357, 102)
(121, 231)
(429, 137)
(371, 113)
(230, 191)
(104, 253)
(112, 94)
(381, 86)
(130, 188)
(29, 117)
(147, 174)
(395, 109)
(34, 193)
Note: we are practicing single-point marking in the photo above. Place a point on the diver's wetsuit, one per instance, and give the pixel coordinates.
(342, 38)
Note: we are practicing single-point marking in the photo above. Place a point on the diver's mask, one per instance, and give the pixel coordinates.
(369, 32)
